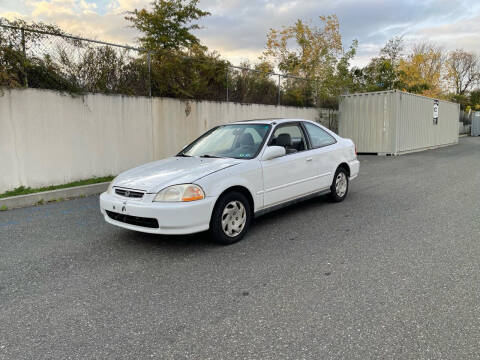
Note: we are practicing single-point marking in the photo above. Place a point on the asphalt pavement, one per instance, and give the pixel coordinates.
(393, 272)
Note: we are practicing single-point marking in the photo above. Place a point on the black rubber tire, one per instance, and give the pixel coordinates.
(216, 230)
(333, 194)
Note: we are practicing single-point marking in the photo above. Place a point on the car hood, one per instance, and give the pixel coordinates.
(157, 175)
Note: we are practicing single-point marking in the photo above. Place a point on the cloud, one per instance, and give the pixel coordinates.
(464, 33)
(53, 8)
(237, 28)
(80, 17)
(121, 6)
(11, 15)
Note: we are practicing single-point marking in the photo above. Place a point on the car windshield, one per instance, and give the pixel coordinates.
(239, 141)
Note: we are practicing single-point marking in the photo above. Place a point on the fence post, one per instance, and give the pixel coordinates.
(149, 62)
(24, 51)
(278, 89)
(227, 82)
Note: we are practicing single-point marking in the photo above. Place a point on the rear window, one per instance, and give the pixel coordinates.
(318, 136)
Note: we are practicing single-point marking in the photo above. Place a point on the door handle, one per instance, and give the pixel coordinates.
(309, 159)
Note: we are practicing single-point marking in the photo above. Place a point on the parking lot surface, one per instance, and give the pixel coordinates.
(393, 272)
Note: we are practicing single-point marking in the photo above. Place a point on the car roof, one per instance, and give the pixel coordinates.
(268, 121)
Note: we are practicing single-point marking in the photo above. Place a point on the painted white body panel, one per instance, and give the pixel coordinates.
(248, 173)
(288, 177)
(270, 183)
(173, 218)
(155, 176)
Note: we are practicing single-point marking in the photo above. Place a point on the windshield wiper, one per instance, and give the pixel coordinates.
(183, 155)
(209, 156)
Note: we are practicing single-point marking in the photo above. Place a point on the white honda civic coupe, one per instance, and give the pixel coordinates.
(229, 175)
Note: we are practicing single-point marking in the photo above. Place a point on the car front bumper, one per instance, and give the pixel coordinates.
(173, 218)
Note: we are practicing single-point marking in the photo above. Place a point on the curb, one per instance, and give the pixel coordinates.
(19, 201)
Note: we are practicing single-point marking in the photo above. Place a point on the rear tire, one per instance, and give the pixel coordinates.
(231, 218)
(339, 188)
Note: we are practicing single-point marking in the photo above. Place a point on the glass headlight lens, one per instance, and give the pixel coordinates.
(184, 192)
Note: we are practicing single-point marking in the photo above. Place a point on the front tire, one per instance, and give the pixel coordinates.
(231, 218)
(339, 188)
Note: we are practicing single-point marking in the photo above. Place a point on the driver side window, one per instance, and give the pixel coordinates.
(290, 137)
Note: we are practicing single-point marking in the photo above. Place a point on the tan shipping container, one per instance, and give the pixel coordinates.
(395, 122)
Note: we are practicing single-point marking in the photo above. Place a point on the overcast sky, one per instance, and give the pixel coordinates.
(237, 28)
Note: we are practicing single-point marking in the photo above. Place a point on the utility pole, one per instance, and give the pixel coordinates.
(279, 89)
(149, 62)
(24, 51)
(226, 76)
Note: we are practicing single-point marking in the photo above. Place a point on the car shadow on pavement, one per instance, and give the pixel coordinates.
(193, 242)
(297, 209)
(201, 241)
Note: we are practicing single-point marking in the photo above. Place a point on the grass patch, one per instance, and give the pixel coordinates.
(26, 190)
(3, 208)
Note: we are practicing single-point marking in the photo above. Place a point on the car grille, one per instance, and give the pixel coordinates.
(133, 220)
(129, 193)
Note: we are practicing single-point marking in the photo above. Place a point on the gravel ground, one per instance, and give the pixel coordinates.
(393, 272)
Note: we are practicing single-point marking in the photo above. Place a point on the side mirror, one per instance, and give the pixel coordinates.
(272, 152)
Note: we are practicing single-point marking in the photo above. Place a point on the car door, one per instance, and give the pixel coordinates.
(324, 147)
(292, 175)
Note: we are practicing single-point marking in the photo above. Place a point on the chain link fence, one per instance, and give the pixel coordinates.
(39, 59)
(49, 60)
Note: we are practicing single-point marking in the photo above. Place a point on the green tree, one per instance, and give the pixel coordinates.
(181, 66)
(475, 99)
(253, 84)
(381, 73)
(421, 70)
(393, 50)
(461, 99)
(19, 68)
(312, 52)
(168, 25)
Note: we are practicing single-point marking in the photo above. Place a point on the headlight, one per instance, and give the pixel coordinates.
(184, 192)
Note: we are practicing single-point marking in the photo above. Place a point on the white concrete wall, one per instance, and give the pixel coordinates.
(47, 138)
(177, 123)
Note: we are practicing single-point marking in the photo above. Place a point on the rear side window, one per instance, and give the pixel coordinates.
(318, 136)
